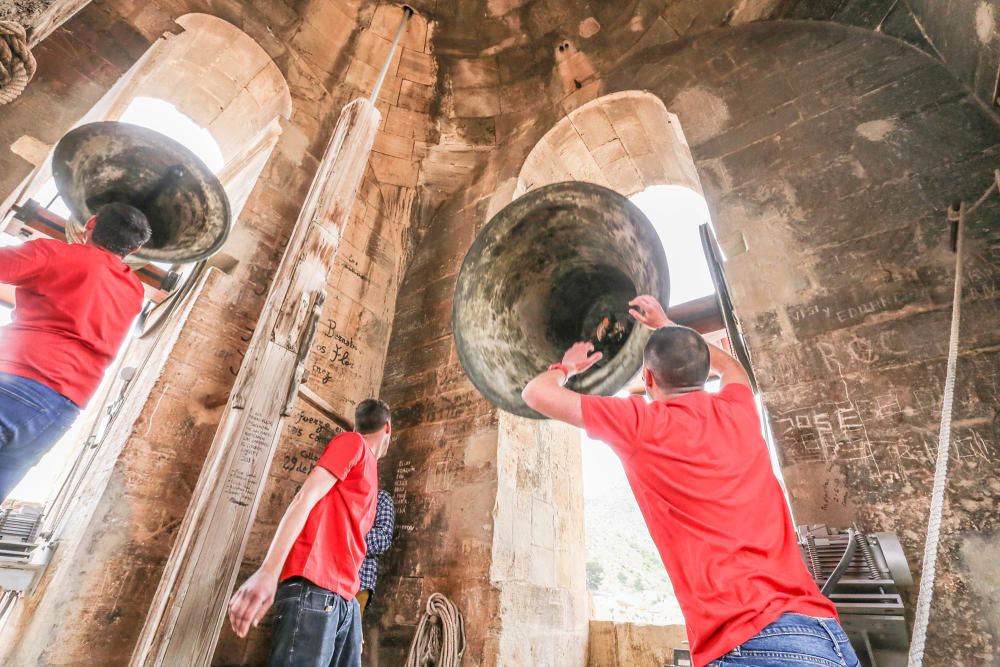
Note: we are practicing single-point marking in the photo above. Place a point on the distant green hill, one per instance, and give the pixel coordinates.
(634, 585)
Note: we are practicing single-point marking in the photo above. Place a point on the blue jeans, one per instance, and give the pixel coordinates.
(794, 640)
(32, 418)
(314, 627)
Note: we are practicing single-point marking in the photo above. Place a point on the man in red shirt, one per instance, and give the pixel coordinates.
(701, 474)
(74, 303)
(317, 551)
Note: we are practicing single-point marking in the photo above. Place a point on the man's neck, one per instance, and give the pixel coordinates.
(663, 396)
(103, 249)
(373, 440)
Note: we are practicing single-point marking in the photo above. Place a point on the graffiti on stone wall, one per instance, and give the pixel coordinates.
(853, 313)
(404, 469)
(242, 482)
(439, 408)
(349, 264)
(309, 436)
(892, 434)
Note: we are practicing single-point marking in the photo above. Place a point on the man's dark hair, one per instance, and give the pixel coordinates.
(121, 229)
(677, 357)
(371, 416)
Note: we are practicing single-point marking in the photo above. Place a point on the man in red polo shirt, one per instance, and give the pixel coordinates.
(317, 551)
(74, 303)
(702, 477)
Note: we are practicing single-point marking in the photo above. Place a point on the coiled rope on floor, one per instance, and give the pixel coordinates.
(440, 638)
(17, 65)
(957, 215)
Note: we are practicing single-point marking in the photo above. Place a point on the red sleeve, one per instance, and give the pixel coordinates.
(616, 421)
(737, 392)
(342, 454)
(19, 264)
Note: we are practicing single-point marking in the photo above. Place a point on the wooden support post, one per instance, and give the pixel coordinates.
(42, 24)
(188, 610)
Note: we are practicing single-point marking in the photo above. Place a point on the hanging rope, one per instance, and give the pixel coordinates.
(957, 215)
(17, 65)
(440, 638)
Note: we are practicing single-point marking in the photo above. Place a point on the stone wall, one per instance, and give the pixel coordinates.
(827, 155)
(613, 644)
(833, 172)
(964, 35)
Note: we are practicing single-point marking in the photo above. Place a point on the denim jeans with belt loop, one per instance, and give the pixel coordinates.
(794, 640)
(32, 418)
(314, 627)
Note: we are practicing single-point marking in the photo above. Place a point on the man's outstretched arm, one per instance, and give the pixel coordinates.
(725, 365)
(648, 311)
(249, 604)
(546, 393)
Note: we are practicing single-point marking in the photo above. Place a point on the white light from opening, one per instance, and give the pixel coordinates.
(163, 117)
(676, 212)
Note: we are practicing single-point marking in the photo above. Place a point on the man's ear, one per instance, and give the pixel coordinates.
(647, 378)
(91, 223)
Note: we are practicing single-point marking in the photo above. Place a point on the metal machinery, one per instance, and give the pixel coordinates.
(862, 573)
(20, 556)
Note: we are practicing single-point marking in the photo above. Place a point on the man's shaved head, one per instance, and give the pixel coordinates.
(677, 357)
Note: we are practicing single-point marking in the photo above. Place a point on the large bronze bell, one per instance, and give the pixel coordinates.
(185, 203)
(556, 266)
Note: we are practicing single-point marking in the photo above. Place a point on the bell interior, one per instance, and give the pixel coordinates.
(186, 206)
(556, 267)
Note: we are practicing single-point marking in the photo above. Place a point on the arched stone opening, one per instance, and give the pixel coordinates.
(629, 142)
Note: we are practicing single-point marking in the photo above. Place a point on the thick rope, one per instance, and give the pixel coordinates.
(927, 575)
(17, 65)
(440, 637)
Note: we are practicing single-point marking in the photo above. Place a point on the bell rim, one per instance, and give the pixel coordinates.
(208, 179)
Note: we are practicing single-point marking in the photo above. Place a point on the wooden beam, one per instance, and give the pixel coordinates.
(32, 221)
(703, 315)
(42, 24)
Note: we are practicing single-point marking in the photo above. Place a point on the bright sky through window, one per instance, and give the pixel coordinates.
(166, 119)
(676, 212)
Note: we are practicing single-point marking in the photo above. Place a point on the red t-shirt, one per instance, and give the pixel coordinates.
(700, 471)
(74, 303)
(331, 546)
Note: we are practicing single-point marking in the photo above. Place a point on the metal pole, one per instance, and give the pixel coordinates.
(407, 13)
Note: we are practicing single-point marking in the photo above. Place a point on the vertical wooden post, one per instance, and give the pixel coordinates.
(52, 17)
(188, 610)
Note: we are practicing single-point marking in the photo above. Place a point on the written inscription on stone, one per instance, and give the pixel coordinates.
(241, 484)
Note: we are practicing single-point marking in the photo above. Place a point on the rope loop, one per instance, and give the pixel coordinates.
(17, 64)
(440, 637)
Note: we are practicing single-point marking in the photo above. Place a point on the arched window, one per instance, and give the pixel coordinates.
(631, 143)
